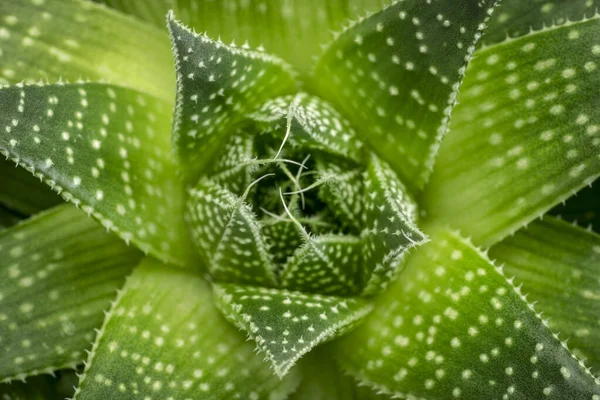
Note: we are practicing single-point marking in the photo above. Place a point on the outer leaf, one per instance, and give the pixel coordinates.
(227, 236)
(516, 18)
(399, 93)
(75, 39)
(216, 86)
(164, 339)
(113, 160)
(286, 325)
(529, 123)
(583, 208)
(292, 30)
(22, 192)
(454, 327)
(54, 286)
(559, 266)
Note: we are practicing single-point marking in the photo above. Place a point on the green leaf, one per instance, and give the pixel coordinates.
(559, 267)
(285, 324)
(516, 18)
(54, 286)
(102, 147)
(227, 236)
(22, 192)
(164, 339)
(454, 327)
(292, 30)
(583, 208)
(217, 85)
(525, 136)
(396, 74)
(389, 219)
(74, 39)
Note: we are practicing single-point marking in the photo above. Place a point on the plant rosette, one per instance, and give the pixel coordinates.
(288, 223)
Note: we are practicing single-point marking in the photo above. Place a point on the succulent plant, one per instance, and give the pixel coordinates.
(376, 219)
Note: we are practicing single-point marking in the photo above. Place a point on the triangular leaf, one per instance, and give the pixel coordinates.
(217, 85)
(163, 338)
(54, 286)
(227, 235)
(286, 324)
(113, 161)
(396, 74)
(529, 123)
(454, 327)
(75, 39)
(326, 264)
(559, 267)
(389, 218)
(292, 30)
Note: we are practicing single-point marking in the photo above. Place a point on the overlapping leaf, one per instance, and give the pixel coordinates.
(8, 217)
(217, 85)
(54, 286)
(73, 39)
(396, 75)
(529, 123)
(559, 267)
(164, 339)
(454, 327)
(292, 30)
(102, 147)
(227, 235)
(516, 18)
(44, 387)
(287, 324)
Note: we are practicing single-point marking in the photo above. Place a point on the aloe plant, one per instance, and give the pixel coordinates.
(241, 214)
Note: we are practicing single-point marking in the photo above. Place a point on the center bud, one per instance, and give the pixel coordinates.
(297, 201)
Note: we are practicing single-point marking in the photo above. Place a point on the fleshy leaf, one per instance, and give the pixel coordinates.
(112, 160)
(54, 286)
(22, 192)
(516, 18)
(326, 264)
(454, 327)
(285, 324)
(389, 218)
(217, 84)
(292, 30)
(227, 236)
(309, 122)
(559, 267)
(396, 74)
(528, 122)
(164, 339)
(74, 39)
(582, 208)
